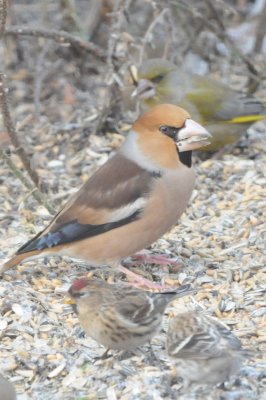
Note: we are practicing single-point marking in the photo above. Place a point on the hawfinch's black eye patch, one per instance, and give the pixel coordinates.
(170, 131)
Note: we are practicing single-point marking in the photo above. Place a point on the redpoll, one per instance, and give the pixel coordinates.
(205, 349)
(119, 316)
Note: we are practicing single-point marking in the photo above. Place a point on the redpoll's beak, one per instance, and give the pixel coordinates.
(192, 136)
(70, 301)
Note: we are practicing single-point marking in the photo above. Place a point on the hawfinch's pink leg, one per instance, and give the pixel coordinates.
(139, 281)
(149, 258)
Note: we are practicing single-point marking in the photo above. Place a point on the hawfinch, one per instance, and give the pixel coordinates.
(132, 200)
(118, 316)
(206, 351)
(224, 112)
(7, 391)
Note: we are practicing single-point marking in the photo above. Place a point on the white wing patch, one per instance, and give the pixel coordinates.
(127, 210)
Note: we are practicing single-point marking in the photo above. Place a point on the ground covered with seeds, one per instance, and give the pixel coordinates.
(56, 97)
(219, 246)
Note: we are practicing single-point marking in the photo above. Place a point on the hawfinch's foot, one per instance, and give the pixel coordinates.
(149, 258)
(141, 282)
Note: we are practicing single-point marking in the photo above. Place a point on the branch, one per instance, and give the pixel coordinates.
(39, 75)
(58, 36)
(261, 30)
(3, 15)
(12, 132)
(114, 35)
(148, 32)
(70, 19)
(33, 190)
(93, 19)
(7, 120)
(254, 75)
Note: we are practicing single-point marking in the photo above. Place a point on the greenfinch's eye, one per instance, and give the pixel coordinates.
(170, 131)
(157, 78)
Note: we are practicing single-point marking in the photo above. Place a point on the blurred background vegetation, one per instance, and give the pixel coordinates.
(67, 62)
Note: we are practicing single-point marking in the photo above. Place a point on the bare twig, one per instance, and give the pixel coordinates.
(171, 30)
(115, 28)
(191, 31)
(33, 190)
(70, 18)
(59, 36)
(234, 47)
(148, 32)
(40, 73)
(3, 15)
(219, 30)
(8, 123)
(261, 30)
(93, 18)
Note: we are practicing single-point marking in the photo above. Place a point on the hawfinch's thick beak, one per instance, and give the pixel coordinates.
(192, 136)
(145, 89)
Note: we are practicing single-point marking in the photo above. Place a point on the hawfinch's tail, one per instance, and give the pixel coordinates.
(17, 259)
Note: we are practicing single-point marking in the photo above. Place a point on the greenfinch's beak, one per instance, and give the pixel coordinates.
(145, 89)
(192, 136)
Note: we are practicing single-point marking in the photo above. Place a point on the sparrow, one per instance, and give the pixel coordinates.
(118, 316)
(7, 391)
(205, 349)
(130, 201)
(224, 112)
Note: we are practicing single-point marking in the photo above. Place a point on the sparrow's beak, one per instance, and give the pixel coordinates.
(145, 89)
(192, 136)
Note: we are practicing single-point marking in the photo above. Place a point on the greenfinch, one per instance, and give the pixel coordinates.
(224, 112)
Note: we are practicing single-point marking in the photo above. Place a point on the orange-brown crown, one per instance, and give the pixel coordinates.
(163, 114)
(155, 145)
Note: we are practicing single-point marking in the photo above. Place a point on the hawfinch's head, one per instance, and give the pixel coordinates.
(175, 124)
